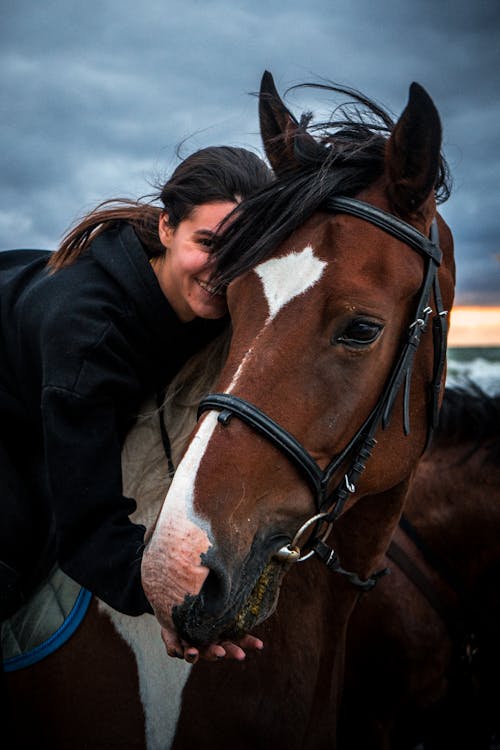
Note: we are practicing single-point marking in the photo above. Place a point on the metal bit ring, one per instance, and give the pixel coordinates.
(291, 553)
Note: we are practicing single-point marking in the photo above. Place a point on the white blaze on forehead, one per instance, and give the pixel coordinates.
(286, 277)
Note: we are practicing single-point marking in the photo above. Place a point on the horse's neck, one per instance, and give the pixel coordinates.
(144, 466)
(362, 534)
(145, 473)
(454, 503)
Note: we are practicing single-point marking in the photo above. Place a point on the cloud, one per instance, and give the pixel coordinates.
(98, 95)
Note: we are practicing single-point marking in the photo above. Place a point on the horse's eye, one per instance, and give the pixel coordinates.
(359, 333)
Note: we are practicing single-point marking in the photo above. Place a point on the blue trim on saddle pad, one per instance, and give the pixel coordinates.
(56, 640)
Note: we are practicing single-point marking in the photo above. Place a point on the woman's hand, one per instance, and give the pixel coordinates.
(214, 652)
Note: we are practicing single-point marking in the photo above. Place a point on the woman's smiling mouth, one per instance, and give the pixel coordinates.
(209, 289)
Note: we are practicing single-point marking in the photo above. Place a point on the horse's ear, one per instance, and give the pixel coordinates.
(413, 153)
(278, 127)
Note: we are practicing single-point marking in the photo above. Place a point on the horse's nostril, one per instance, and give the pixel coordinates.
(214, 590)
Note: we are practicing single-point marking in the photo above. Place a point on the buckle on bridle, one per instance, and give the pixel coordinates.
(421, 323)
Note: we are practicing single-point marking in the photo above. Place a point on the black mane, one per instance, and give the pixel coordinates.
(470, 417)
(347, 155)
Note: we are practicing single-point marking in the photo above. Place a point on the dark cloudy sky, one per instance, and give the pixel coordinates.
(97, 95)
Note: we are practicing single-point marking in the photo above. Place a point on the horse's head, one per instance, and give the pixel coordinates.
(332, 306)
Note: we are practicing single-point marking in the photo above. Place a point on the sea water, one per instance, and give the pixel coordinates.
(480, 365)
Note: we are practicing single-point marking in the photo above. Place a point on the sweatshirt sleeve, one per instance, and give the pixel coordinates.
(97, 543)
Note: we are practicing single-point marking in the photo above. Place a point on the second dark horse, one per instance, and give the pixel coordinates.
(423, 647)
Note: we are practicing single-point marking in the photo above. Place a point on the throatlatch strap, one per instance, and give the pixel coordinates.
(440, 335)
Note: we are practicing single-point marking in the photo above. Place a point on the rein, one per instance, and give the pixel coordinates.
(165, 440)
(329, 504)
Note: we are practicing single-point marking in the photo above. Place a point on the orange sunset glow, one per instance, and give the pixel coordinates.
(475, 326)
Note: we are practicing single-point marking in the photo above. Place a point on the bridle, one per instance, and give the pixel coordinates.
(329, 504)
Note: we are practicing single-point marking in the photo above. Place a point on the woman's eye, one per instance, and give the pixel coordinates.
(359, 333)
(207, 243)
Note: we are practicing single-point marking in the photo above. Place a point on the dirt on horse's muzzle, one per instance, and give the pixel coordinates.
(221, 613)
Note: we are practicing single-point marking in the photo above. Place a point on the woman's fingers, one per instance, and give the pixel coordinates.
(233, 651)
(172, 644)
(251, 643)
(230, 650)
(214, 652)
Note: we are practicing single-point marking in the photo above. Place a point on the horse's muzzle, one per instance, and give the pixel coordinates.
(231, 601)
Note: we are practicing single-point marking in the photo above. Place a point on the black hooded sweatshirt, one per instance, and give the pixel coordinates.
(80, 350)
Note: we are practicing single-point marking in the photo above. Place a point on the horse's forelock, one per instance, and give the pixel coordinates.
(345, 157)
(264, 221)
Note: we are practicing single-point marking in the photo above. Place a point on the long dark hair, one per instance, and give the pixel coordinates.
(346, 156)
(217, 173)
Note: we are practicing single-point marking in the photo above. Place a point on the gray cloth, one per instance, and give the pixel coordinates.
(41, 617)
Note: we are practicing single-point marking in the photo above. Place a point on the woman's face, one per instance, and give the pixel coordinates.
(184, 271)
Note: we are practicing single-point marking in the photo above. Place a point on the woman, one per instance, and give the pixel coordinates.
(86, 333)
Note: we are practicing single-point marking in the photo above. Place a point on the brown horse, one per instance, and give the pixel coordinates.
(423, 649)
(407, 673)
(330, 361)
